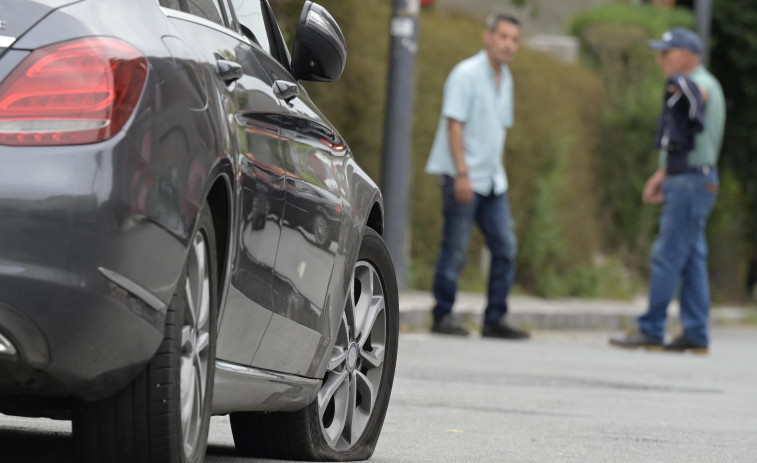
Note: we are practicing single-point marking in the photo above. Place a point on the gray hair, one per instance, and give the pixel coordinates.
(495, 18)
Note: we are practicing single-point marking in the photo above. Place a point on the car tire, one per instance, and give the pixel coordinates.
(164, 414)
(345, 420)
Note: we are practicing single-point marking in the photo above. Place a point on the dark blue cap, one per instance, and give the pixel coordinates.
(679, 38)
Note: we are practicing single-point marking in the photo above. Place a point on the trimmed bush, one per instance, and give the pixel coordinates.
(652, 20)
(614, 43)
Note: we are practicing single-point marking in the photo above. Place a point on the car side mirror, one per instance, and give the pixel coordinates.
(320, 51)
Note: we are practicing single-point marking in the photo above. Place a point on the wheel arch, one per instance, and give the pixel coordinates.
(220, 201)
(376, 218)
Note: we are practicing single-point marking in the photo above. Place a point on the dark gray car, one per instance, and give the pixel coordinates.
(183, 233)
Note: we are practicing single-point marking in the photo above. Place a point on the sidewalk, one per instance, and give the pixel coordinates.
(552, 314)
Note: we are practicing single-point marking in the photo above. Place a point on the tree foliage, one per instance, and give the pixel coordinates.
(734, 61)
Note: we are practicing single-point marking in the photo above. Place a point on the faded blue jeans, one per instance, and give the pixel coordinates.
(492, 215)
(679, 257)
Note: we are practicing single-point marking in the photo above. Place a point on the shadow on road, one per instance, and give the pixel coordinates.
(24, 446)
(218, 452)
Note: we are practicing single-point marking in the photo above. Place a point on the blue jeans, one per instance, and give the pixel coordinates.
(492, 215)
(679, 257)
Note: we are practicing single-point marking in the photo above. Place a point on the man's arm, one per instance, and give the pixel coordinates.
(463, 188)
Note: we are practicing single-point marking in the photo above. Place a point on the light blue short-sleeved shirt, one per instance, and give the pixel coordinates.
(472, 97)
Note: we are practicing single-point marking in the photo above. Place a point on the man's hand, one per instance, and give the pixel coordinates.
(652, 193)
(463, 190)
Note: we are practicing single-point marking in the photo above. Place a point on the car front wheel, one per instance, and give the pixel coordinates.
(345, 420)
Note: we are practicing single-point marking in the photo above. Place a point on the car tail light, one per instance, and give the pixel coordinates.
(76, 92)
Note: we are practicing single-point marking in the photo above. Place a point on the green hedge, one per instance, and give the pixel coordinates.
(614, 43)
(652, 20)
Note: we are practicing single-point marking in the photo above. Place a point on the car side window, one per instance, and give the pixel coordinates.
(279, 50)
(252, 22)
(173, 4)
(208, 9)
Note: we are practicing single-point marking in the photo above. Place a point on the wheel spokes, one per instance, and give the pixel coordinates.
(191, 309)
(329, 389)
(195, 342)
(333, 406)
(349, 433)
(339, 351)
(374, 357)
(338, 356)
(364, 289)
(375, 309)
(188, 390)
(366, 391)
(201, 360)
(198, 284)
(349, 393)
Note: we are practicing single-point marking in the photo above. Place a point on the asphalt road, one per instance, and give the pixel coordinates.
(560, 397)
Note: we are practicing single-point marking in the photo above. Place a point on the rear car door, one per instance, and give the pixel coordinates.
(253, 118)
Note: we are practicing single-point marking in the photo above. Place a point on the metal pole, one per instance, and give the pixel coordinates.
(703, 10)
(396, 169)
(398, 132)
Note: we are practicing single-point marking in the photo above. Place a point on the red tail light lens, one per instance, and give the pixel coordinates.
(76, 92)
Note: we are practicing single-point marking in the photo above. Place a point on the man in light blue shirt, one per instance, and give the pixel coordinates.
(467, 156)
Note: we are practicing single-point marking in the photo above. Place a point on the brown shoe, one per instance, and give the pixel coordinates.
(635, 340)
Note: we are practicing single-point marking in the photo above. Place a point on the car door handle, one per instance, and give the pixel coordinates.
(286, 90)
(228, 71)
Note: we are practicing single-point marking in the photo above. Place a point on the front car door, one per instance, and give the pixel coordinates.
(297, 334)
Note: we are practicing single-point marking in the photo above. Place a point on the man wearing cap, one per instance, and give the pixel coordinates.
(688, 190)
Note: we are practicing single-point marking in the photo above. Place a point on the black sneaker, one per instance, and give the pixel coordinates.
(681, 343)
(448, 325)
(502, 330)
(637, 339)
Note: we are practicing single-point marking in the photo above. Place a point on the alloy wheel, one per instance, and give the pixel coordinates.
(195, 344)
(353, 376)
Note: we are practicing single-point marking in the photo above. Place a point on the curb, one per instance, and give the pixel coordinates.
(554, 314)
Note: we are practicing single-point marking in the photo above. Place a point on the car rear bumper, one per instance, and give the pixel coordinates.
(73, 342)
(89, 257)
